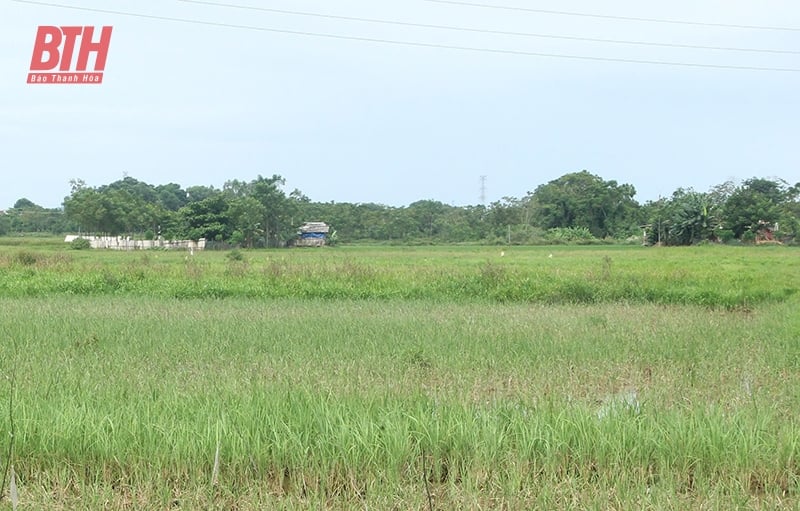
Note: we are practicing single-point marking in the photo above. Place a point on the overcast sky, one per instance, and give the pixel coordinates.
(356, 121)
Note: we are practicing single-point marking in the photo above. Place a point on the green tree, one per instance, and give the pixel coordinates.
(454, 226)
(581, 199)
(510, 220)
(127, 206)
(198, 193)
(85, 207)
(208, 218)
(656, 216)
(5, 223)
(278, 211)
(790, 213)
(171, 196)
(686, 218)
(246, 215)
(694, 218)
(756, 201)
(424, 214)
(27, 216)
(24, 203)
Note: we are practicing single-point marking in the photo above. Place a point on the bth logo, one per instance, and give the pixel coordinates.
(54, 49)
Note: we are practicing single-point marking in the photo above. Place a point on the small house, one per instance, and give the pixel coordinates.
(312, 234)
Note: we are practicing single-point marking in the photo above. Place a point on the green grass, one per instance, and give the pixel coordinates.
(363, 400)
(708, 276)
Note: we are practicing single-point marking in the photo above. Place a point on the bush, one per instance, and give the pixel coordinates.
(726, 236)
(235, 255)
(559, 235)
(237, 238)
(80, 244)
(333, 239)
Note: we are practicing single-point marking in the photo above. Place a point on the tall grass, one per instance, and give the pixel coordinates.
(126, 401)
(709, 276)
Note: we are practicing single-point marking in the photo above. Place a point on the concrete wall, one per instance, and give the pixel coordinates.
(126, 243)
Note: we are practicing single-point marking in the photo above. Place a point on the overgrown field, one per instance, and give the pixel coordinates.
(392, 378)
(709, 276)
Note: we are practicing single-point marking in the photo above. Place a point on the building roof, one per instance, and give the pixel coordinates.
(318, 227)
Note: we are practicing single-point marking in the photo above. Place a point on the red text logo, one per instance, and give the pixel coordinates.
(61, 55)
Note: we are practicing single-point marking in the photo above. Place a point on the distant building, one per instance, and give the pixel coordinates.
(312, 234)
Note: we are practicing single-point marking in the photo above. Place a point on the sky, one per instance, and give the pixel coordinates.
(361, 121)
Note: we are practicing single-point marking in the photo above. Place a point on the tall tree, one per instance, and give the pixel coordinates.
(424, 214)
(27, 216)
(208, 218)
(581, 199)
(24, 203)
(278, 211)
(246, 215)
(171, 196)
(86, 208)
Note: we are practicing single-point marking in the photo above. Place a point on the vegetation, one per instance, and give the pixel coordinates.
(727, 212)
(401, 378)
(27, 217)
(582, 200)
(80, 244)
(724, 277)
(578, 207)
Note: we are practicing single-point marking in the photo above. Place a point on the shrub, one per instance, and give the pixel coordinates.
(235, 255)
(726, 236)
(570, 235)
(80, 244)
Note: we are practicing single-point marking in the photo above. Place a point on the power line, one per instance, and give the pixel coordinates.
(484, 31)
(611, 17)
(414, 44)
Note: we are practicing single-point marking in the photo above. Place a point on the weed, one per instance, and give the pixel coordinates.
(27, 258)
(235, 255)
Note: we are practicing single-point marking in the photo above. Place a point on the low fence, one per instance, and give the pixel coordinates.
(127, 243)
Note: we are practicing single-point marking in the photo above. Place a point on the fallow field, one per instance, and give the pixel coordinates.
(400, 378)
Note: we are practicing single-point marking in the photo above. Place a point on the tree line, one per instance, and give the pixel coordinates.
(578, 207)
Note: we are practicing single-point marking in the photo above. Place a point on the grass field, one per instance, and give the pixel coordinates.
(401, 378)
